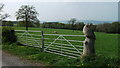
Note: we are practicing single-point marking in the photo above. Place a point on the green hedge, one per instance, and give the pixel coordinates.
(8, 35)
(7, 23)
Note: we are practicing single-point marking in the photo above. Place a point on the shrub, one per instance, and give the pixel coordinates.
(99, 61)
(8, 35)
(7, 23)
(30, 24)
(21, 24)
(37, 24)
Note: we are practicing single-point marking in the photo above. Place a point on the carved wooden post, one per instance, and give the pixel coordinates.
(89, 40)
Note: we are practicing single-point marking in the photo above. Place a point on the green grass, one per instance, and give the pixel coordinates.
(47, 59)
(106, 47)
(107, 44)
(35, 54)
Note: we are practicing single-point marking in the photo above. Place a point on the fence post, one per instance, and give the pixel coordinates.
(89, 40)
(42, 41)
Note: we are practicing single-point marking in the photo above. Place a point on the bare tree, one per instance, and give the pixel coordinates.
(3, 15)
(27, 14)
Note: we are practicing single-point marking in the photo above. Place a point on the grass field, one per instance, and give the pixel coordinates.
(106, 46)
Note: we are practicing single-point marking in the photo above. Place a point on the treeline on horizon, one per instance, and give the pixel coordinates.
(113, 27)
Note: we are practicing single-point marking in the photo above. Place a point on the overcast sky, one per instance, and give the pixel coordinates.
(56, 10)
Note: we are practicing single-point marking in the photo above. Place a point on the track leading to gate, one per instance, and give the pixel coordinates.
(10, 60)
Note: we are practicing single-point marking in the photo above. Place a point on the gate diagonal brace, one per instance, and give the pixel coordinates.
(71, 44)
(65, 40)
(53, 42)
(33, 38)
(22, 34)
(25, 33)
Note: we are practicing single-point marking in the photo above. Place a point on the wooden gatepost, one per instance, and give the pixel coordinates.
(89, 49)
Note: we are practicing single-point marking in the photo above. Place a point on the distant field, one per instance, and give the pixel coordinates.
(106, 44)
